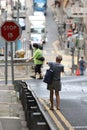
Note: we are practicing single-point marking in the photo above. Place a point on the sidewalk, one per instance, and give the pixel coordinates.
(11, 111)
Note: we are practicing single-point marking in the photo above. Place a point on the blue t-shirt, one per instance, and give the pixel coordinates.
(81, 63)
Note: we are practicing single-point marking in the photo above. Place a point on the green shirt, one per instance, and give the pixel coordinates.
(37, 53)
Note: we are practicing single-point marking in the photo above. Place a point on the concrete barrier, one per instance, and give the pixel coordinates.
(10, 123)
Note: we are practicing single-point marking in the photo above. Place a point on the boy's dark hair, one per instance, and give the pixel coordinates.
(82, 57)
(35, 45)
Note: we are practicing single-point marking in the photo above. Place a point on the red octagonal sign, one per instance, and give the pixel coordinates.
(10, 31)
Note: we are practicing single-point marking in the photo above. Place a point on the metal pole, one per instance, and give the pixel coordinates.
(73, 50)
(78, 56)
(12, 65)
(6, 72)
(73, 63)
(18, 11)
(18, 22)
(6, 57)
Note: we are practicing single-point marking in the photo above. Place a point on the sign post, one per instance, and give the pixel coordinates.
(10, 31)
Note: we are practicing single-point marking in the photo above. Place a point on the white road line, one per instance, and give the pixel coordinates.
(80, 127)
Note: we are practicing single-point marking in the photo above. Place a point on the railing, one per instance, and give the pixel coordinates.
(21, 68)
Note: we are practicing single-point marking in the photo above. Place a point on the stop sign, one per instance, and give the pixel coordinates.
(10, 31)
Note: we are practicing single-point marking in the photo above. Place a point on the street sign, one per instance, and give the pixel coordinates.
(69, 32)
(10, 31)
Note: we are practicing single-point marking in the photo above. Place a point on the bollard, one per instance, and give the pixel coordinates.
(29, 114)
(33, 115)
(37, 121)
(29, 103)
(24, 96)
(42, 125)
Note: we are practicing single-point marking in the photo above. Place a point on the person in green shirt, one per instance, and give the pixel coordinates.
(38, 63)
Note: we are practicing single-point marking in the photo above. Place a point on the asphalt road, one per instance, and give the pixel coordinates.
(73, 99)
(73, 96)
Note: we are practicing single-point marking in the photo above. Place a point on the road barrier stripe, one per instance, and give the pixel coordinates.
(67, 124)
(58, 124)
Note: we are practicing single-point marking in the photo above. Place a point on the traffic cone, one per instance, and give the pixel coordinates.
(77, 72)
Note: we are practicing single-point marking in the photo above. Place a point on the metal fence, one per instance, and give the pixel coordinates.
(21, 69)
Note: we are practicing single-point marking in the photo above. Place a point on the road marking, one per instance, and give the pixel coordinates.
(80, 127)
(58, 124)
(64, 120)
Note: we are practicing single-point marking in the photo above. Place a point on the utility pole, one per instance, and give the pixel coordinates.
(17, 21)
(72, 54)
(78, 55)
(18, 11)
(6, 57)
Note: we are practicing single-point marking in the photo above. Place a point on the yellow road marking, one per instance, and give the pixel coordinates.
(64, 120)
(61, 117)
(58, 124)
